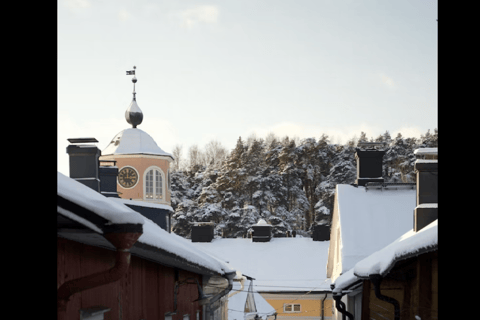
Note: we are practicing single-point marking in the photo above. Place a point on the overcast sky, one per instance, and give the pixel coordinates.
(222, 69)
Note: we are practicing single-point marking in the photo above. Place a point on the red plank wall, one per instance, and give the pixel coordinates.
(145, 292)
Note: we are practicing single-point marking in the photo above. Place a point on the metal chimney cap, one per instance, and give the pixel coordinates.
(82, 140)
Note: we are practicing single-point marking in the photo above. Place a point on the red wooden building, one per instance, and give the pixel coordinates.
(113, 263)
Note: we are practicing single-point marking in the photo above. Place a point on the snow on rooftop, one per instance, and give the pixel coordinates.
(422, 151)
(426, 161)
(406, 245)
(155, 236)
(370, 220)
(144, 204)
(282, 264)
(90, 199)
(134, 141)
(345, 280)
(117, 213)
(262, 222)
(237, 299)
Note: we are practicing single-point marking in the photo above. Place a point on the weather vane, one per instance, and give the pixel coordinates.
(134, 79)
(133, 115)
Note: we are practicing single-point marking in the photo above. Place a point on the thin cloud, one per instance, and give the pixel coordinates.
(199, 14)
(77, 5)
(124, 15)
(387, 80)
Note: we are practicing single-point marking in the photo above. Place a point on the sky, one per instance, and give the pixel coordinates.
(220, 70)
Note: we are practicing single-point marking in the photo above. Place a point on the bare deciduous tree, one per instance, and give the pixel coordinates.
(177, 154)
(215, 153)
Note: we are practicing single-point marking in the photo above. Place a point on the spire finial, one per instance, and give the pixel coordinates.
(133, 114)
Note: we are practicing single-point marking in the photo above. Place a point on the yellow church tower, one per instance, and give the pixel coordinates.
(143, 167)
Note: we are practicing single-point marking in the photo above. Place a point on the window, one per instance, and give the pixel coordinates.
(153, 184)
(290, 307)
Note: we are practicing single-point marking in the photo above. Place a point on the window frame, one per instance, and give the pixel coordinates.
(292, 306)
(154, 182)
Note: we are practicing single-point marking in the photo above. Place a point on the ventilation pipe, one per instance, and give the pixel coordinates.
(122, 241)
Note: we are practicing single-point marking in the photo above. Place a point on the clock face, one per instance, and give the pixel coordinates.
(127, 177)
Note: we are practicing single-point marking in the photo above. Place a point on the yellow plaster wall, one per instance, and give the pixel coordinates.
(308, 308)
(140, 164)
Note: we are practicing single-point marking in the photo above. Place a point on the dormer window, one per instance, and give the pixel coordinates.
(154, 184)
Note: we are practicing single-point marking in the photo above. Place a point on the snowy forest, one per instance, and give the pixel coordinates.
(286, 181)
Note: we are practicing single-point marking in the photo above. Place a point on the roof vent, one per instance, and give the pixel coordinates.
(321, 233)
(202, 231)
(262, 231)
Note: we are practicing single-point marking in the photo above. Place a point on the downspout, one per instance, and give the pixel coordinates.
(376, 279)
(218, 296)
(323, 306)
(341, 306)
(122, 241)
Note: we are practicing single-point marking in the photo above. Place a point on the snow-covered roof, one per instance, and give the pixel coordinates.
(380, 262)
(117, 213)
(237, 298)
(409, 244)
(88, 198)
(370, 220)
(144, 204)
(424, 151)
(134, 141)
(282, 264)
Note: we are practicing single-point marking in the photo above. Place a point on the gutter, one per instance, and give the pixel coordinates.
(123, 237)
(376, 279)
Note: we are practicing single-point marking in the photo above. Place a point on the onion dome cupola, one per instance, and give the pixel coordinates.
(133, 141)
(133, 114)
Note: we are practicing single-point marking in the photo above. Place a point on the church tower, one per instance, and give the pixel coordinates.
(143, 167)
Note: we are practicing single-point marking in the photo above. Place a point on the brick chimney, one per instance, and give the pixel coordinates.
(369, 163)
(426, 169)
(84, 161)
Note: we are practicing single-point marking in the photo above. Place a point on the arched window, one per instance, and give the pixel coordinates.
(153, 184)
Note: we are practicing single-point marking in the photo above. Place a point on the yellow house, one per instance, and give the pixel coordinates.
(290, 273)
(300, 306)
